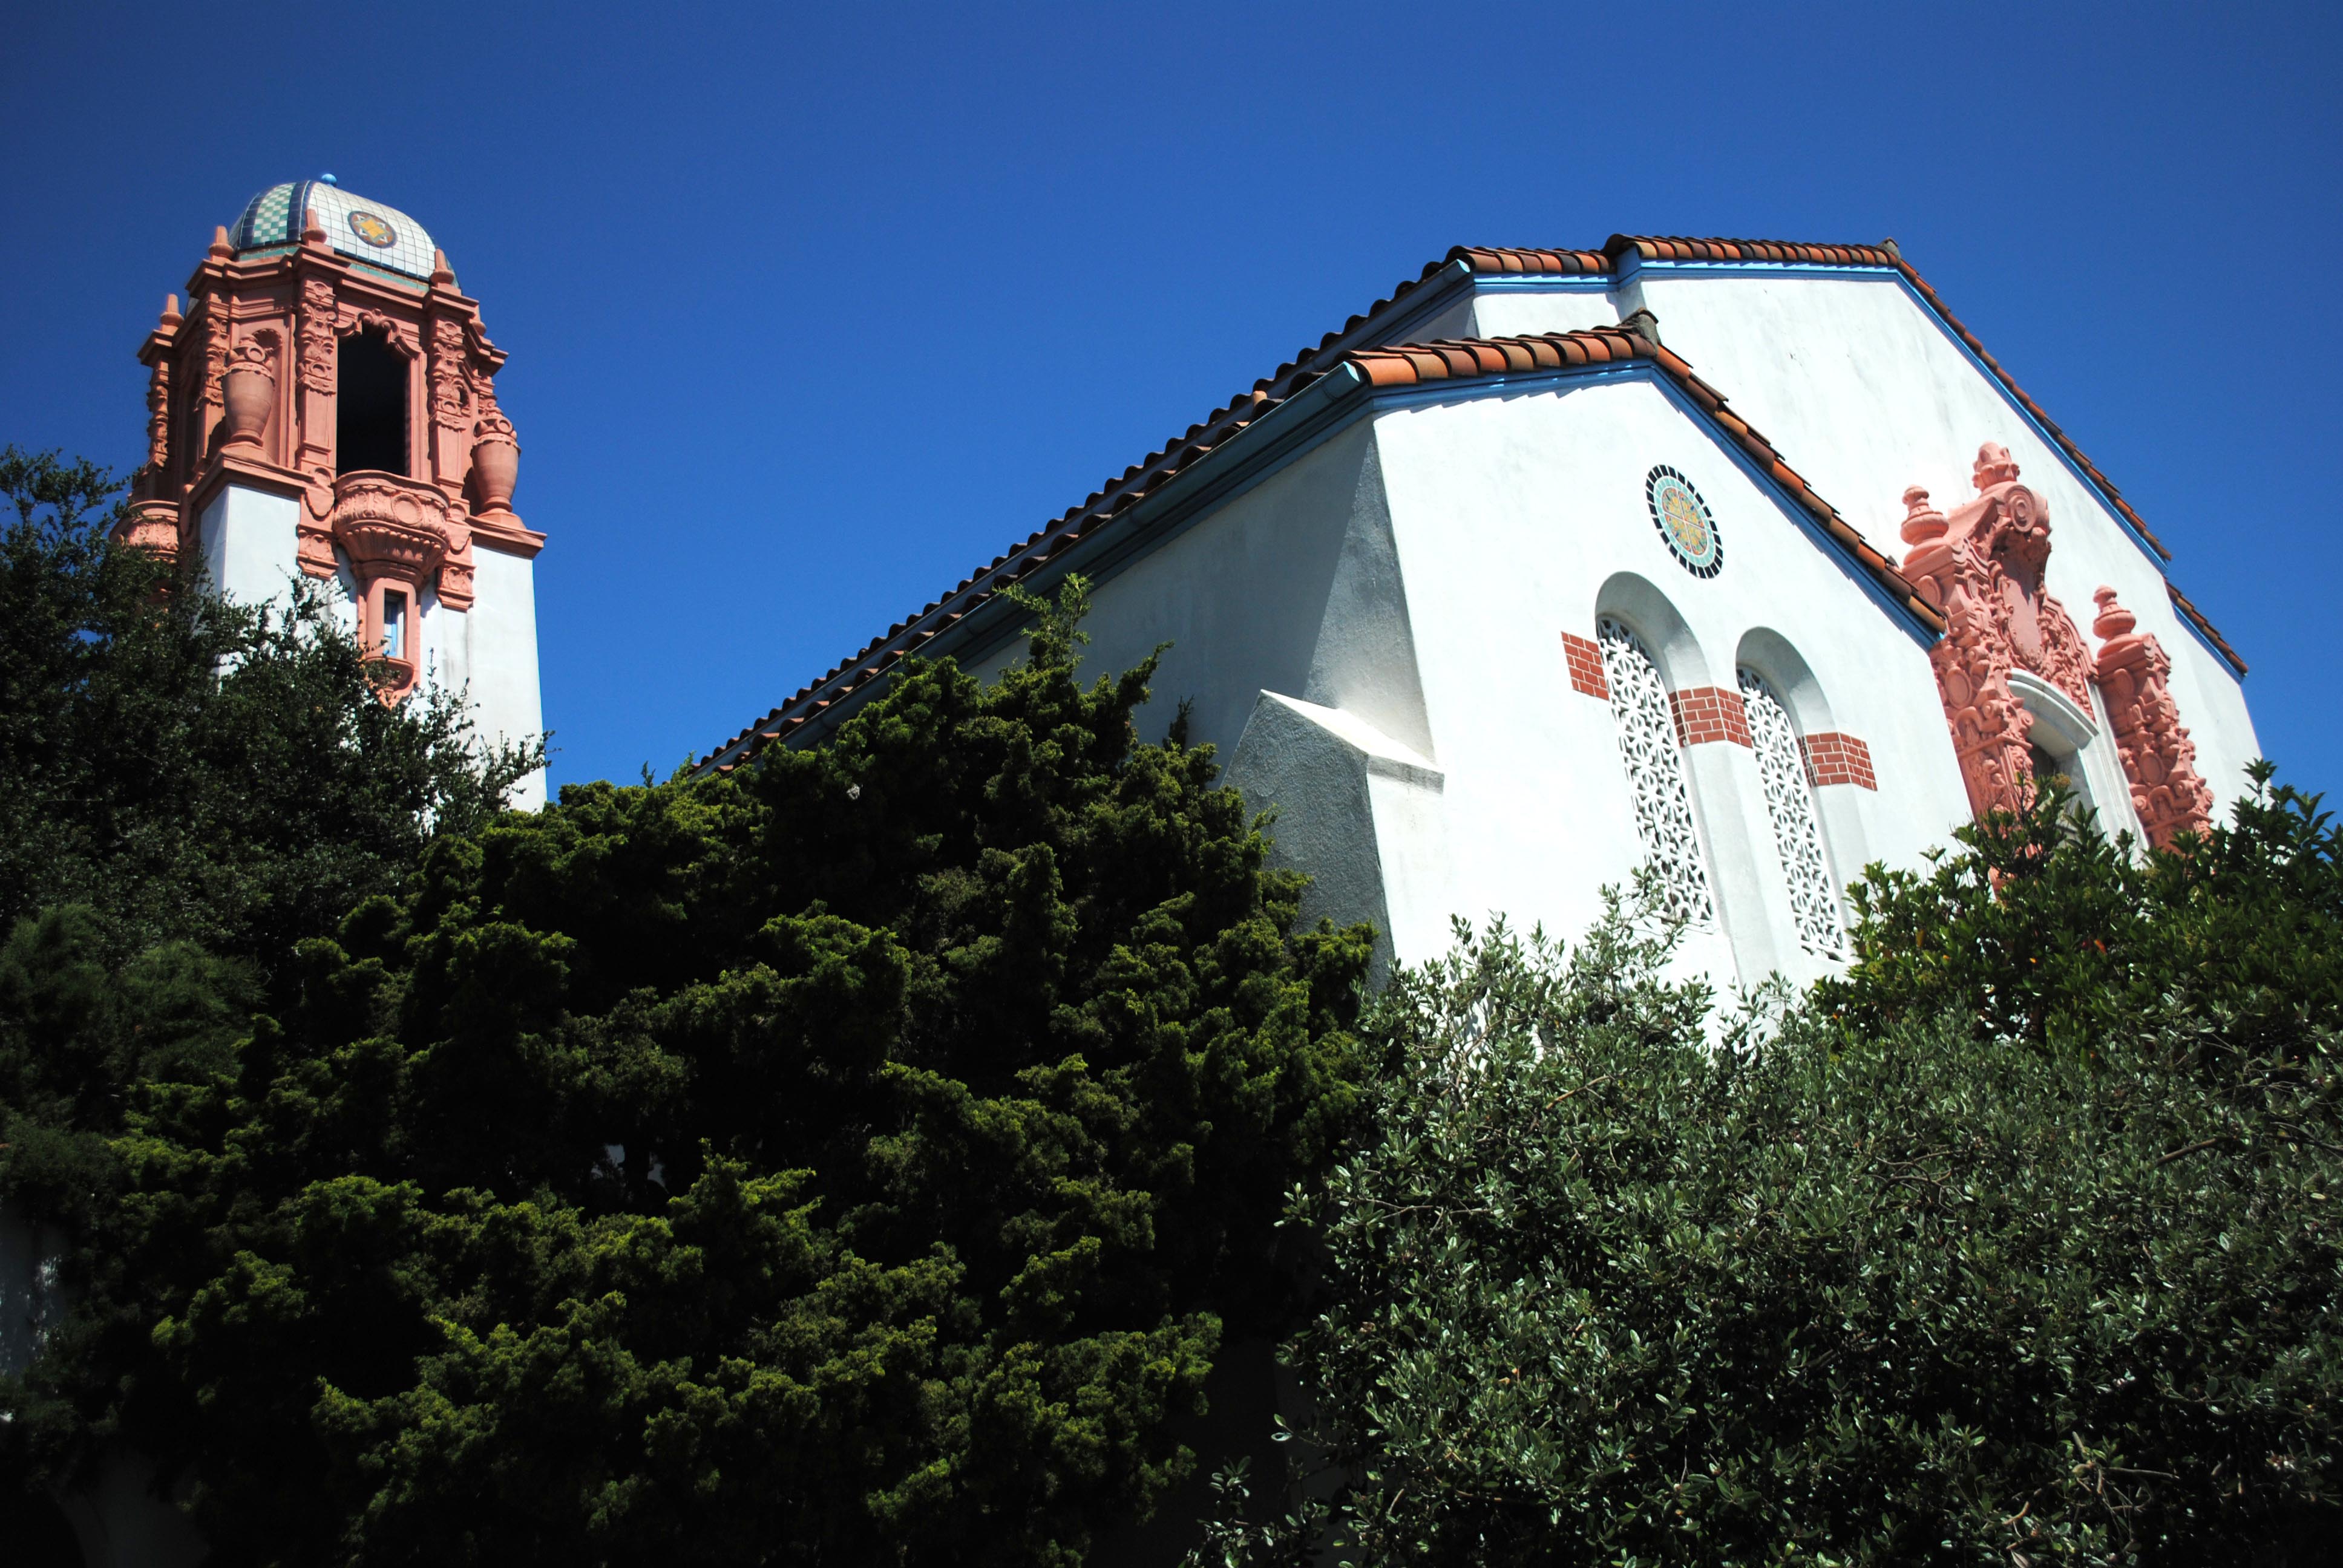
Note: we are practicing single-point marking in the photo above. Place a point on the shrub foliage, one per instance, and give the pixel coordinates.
(2019, 1244)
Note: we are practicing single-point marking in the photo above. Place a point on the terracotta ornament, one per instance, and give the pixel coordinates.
(1982, 568)
(394, 531)
(496, 463)
(2159, 758)
(244, 386)
(249, 387)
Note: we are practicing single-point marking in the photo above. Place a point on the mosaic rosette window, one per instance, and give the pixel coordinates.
(1797, 832)
(1683, 521)
(1656, 775)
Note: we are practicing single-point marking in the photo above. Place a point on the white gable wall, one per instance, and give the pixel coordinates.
(1239, 595)
(1512, 513)
(1372, 633)
(1501, 309)
(1863, 391)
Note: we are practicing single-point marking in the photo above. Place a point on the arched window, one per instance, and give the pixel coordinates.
(1647, 745)
(1797, 832)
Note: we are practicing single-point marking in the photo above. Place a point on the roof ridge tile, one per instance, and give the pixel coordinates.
(1398, 365)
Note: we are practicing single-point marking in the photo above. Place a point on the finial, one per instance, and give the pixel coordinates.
(1891, 247)
(327, 179)
(312, 231)
(1923, 524)
(221, 250)
(1993, 466)
(441, 275)
(2114, 620)
(171, 316)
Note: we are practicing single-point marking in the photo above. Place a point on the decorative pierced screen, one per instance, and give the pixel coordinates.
(1797, 833)
(1647, 745)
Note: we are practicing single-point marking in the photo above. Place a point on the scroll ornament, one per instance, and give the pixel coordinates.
(2159, 758)
(315, 339)
(451, 392)
(158, 414)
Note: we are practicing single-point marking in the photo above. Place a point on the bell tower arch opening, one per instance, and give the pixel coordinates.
(371, 391)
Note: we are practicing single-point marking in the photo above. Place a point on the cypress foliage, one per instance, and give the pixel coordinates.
(857, 1159)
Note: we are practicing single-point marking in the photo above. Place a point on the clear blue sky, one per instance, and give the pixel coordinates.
(813, 309)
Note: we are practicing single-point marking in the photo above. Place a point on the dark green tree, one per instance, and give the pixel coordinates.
(2019, 1244)
(188, 789)
(856, 1159)
(187, 770)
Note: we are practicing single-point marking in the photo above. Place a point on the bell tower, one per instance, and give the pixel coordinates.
(325, 407)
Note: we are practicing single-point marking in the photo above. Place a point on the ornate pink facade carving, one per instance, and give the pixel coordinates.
(158, 411)
(1982, 567)
(2159, 758)
(273, 324)
(247, 391)
(395, 530)
(451, 390)
(317, 335)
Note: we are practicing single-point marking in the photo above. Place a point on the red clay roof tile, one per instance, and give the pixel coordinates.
(1401, 365)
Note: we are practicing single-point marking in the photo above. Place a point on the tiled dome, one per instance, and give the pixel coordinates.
(362, 230)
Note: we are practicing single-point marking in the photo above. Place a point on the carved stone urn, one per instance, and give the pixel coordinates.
(248, 390)
(496, 463)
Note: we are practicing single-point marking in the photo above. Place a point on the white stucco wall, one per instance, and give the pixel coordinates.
(250, 551)
(1518, 310)
(1862, 389)
(1358, 811)
(1512, 513)
(249, 544)
(1241, 596)
(497, 643)
(1372, 633)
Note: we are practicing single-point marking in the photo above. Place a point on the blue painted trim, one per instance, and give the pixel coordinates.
(1640, 370)
(2193, 629)
(1509, 283)
(1921, 631)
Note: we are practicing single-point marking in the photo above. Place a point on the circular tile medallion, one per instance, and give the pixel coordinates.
(372, 230)
(1683, 521)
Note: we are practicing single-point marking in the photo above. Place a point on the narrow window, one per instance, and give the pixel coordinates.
(1797, 830)
(369, 407)
(393, 624)
(1654, 762)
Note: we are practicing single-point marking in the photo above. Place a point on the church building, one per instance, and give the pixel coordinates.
(1743, 559)
(1520, 579)
(326, 409)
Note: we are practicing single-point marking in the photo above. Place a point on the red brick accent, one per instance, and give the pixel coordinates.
(1706, 713)
(1586, 660)
(1835, 757)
